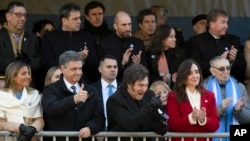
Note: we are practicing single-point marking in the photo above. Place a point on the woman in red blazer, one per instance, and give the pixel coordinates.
(191, 108)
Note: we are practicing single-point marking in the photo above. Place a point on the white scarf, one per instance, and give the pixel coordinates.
(15, 110)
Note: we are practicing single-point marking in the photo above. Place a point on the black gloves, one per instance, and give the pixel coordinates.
(155, 101)
(153, 105)
(26, 132)
(159, 123)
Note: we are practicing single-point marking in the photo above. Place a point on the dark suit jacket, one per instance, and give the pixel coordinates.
(116, 46)
(58, 41)
(60, 113)
(30, 47)
(204, 47)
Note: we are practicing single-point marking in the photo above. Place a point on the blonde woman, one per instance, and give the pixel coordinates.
(20, 109)
(161, 88)
(52, 75)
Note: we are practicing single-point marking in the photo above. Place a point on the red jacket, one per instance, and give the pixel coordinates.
(178, 115)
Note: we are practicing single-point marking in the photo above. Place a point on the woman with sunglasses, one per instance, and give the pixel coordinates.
(229, 93)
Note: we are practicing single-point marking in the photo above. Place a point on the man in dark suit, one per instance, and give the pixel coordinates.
(216, 41)
(70, 104)
(133, 107)
(108, 68)
(124, 47)
(15, 42)
(68, 37)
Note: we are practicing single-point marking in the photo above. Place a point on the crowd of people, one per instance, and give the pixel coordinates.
(97, 79)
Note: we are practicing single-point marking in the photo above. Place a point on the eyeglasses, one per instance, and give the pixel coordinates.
(222, 69)
(19, 14)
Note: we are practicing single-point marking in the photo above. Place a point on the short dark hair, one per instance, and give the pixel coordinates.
(107, 56)
(13, 4)
(143, 13)
(39, 25)
(134, 73)
(92, 5)
(199, 17)
(67, 8)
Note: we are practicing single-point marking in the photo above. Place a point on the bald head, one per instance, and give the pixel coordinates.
(122, 24)
(120, 15)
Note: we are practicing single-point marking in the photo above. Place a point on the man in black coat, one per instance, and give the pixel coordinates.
(70, 104)
(15, 42)
(94, 22)
(124, 47)
(68, 37)
(134, 108)
(216, 41)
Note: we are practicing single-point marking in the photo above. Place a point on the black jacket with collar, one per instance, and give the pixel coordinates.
(60, 113)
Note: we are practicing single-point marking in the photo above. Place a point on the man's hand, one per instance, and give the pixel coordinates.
(137, 58)
(240, 104)
(126, 56)
(81, 96)
(84, 53)
(232, 54)
(225, 103)
(85, 132)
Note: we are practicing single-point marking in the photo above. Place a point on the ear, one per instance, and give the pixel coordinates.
(87, 17)
(99, 69)
(63, 20)
(7, 16)
(212, 70)
(140, 25)
(115, 26)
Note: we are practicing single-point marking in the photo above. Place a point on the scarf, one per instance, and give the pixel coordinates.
(15, 110)
(233, 91)
(96, 30)
(16, 45)
(163, 64)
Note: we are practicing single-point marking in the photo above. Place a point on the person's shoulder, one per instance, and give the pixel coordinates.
(109, 39)
(3, 31)
(232, 37)
(53, 34)
(200, 36)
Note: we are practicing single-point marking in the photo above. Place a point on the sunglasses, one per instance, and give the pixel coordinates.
(19, 14)
(222, 69)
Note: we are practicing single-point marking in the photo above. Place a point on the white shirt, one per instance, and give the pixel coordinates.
(68, 85)
(105, 95)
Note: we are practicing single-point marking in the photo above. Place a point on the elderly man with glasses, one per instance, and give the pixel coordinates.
(231, 95)
(15, 42)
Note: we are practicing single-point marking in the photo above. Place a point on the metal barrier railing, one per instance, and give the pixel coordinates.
(119, 135)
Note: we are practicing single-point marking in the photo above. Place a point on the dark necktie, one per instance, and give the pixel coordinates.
(110, 86)
(74, 89)
(222, 85)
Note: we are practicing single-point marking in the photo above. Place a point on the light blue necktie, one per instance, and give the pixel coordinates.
(110, 86)
(19, 95)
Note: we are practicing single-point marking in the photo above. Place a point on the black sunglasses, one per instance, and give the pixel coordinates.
(222, 69)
